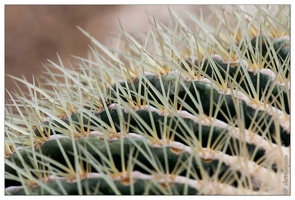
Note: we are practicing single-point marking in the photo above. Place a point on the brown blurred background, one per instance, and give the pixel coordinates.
(34, 34)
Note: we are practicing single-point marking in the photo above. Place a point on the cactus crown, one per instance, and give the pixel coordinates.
(185, 109)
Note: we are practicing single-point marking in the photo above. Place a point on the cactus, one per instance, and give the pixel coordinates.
(188, 110)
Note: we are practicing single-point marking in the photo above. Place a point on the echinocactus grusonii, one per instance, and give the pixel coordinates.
(184, 109)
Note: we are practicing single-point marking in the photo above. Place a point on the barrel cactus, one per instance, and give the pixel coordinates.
(188, 108)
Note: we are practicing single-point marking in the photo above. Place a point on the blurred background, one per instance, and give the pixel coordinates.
(34, 34)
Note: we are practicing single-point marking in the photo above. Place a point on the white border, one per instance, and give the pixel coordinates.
(11, 2)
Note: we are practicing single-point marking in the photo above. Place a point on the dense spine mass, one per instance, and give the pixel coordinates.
(215, 121)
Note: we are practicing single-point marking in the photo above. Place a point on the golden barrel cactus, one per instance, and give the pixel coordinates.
(190, 108)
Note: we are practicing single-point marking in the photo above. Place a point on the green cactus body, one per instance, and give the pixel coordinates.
(163, 123)
(177, 154)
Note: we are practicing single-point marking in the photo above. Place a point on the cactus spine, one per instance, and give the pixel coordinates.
(175, 114)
